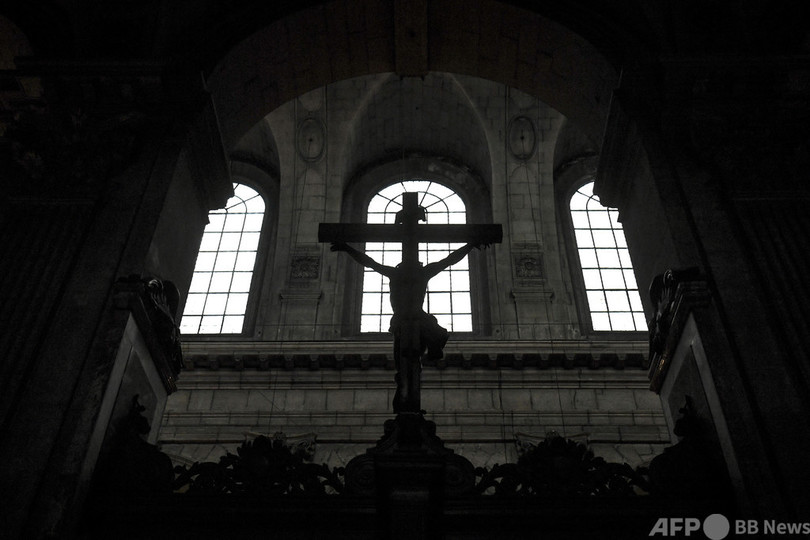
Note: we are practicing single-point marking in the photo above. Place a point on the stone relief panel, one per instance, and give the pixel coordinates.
(528, 264)
(305, 268)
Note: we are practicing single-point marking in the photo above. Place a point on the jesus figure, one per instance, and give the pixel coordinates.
(408, 283)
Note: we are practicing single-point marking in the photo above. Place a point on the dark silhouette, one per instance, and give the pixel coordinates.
(408, 287)
(414, 330)
(408, 283)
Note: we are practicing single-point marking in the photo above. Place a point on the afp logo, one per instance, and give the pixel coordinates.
(715, 527)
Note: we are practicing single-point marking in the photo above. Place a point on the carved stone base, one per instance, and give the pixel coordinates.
(410, 446)
(410, 473)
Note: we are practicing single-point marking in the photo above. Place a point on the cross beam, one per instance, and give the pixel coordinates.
(362, 232)
(408, 231)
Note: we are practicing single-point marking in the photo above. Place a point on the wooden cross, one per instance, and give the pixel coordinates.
(407, 231)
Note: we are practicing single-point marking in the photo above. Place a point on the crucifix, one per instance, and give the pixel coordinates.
(415, 332)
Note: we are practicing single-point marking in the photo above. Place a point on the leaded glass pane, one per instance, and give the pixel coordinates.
(205, 261)
(370, 323)
(232, 324)
(607, 272)
(448, 292)
(217, 300)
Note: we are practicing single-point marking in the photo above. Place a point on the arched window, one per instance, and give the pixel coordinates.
(218, 295)
(448, 294)
(610, 284)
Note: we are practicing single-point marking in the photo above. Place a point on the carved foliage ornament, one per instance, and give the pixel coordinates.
(264, 466)
(269, 466)
(561, 467)
(529, 265)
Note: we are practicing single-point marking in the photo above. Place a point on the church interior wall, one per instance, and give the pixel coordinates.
(120, 128)
(481, 414)
(521, 196)
(334, 147)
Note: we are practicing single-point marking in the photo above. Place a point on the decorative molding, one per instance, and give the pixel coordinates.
(602, 427)
(531, 294)
(297, 295)
(366, 354)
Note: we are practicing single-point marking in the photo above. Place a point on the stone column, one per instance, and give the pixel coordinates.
(696, 169)
(111, 146)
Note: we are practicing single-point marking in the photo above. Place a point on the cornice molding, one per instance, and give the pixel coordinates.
(366, 354)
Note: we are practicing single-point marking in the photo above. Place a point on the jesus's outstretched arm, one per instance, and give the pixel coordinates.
(362, 258)
(434, 268)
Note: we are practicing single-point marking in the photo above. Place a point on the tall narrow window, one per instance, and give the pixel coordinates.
(610, 284)
(218, 295)
(448, 294)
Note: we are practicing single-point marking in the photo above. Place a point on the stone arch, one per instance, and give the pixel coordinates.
(396, 123)
(258, 147)
(342, 39)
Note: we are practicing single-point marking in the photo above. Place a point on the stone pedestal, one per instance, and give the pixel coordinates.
(409, 473)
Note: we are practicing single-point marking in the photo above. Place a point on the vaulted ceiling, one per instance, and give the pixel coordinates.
(256, 55)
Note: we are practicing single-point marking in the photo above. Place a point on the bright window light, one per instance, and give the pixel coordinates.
(217, 298)
(610, 284)
(448, 293)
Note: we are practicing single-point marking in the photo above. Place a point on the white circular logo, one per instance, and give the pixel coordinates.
(716, 527)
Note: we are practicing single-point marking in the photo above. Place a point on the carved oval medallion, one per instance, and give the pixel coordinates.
(522, 137)
(311, 139)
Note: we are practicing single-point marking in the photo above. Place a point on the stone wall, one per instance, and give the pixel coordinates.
(479, 412)
(335, 146)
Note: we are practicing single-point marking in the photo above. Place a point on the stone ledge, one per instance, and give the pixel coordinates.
(365, 355)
